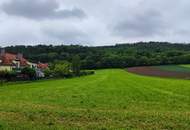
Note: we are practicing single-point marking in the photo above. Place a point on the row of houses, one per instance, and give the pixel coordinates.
(9, 62)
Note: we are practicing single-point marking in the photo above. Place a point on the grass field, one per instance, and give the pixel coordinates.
(187, 65)
(110, 99)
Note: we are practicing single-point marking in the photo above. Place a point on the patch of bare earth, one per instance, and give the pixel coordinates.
(153, 71)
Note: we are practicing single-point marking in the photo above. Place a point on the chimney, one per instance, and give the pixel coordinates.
(19, 56)
(2, 52)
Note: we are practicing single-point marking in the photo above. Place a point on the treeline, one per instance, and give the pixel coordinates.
(118, 56)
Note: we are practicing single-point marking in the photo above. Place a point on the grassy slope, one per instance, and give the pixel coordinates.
(175, 68)
(110, 99)
(187, 65)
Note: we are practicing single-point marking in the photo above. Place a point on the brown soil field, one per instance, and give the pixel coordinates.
(152, 71)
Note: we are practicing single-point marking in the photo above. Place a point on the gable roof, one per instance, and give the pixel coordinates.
(42, 66)
(8, 58)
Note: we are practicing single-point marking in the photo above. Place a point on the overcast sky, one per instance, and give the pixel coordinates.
(93, 22)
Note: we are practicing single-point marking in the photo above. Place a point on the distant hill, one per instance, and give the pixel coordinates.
(117, 56)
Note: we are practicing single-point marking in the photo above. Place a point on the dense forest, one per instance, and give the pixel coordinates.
(118, 56)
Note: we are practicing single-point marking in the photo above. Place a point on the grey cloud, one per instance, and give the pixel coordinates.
(40, 9)
(147, 23)
(100, 22)
(67, 36)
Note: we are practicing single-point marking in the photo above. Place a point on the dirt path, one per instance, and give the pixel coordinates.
(152, 71)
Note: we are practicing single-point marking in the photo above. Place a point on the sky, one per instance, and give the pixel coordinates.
(93, 22)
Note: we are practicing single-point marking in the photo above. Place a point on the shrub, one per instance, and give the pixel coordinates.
(30, 72)
(76, 65)
(87, 72)
(3, 74)
(48, 73)
(62, 69)
(7, 75)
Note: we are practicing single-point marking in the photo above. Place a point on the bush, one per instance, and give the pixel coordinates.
(62, 69)
(29, 72)
(48, 73)
(76, 65)
(3, 74)
(87, 72)
(7, 75)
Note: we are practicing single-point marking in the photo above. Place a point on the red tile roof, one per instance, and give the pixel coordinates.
(42, 66)
(8, 58)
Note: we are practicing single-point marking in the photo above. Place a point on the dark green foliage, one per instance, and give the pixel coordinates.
(61, 69)
(7, 75)
(86, 72)
(118, 56)
(29, 73)
(48, 73)
(76, 65)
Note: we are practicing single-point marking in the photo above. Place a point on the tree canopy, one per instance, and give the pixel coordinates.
(118, 56)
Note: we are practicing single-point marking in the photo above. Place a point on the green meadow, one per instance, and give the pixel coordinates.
(110, 99)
